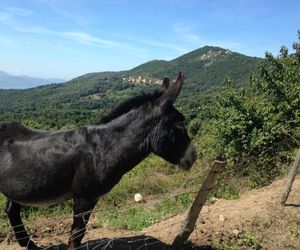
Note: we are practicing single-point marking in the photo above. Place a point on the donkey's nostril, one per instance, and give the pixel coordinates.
(194, 154)
(189, 157)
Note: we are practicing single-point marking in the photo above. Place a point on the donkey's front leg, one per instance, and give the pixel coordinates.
(13, 212)
(82, 211)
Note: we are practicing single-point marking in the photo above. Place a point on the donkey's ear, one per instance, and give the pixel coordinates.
(171, 93)
(165, 84)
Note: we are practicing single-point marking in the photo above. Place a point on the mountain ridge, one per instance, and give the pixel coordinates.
(85, 99)
(8, 81)
(195, 64)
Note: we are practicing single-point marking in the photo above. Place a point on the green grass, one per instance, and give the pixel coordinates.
(153, 177)
(55, 211)
(244, 241)
(137, 217)
(32, 213)
(227, 192)
(3, 219)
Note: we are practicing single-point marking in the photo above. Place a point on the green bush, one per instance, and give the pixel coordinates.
(258, 127)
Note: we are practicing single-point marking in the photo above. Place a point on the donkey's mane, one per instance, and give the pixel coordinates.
(130, 104)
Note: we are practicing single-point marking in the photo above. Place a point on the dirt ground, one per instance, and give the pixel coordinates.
(256, 215)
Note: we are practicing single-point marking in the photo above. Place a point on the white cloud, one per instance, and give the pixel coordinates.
(83, 37)
(64, 8)
(4, 17)
(86, 38)
(33, 29)
(8, 19)
(5, 40)
(8, 14)
(177, 48)
(183, 28)
(188, 34)
(17, 11)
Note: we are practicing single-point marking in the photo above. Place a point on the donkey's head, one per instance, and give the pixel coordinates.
(169, 138)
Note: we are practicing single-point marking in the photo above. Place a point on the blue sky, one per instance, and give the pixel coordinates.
(67, 38)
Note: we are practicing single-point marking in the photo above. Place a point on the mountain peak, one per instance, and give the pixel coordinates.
(206, 53)
(2, 73)
(8, 81)
(206, 66)
(213, 53)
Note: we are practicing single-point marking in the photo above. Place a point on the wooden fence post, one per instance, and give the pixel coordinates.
(197, 205)
(290, 179)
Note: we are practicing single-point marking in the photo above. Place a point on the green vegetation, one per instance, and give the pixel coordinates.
(85, 99)
(31, 213)
(156, 180)
(243, 241)
(134, 217)
(60, 106)
(205, 67)
(257, 130)
(3, 218)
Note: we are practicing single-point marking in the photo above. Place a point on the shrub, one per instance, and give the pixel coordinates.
(258, 128)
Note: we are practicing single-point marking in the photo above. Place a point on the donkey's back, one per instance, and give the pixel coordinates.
(13, 131)
(37, 167)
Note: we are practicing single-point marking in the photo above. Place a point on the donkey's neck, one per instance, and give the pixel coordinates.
(124, 141)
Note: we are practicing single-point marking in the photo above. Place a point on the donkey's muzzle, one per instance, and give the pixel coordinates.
(190, 156)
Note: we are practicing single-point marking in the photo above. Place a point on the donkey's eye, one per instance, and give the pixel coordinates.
(179, 125)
